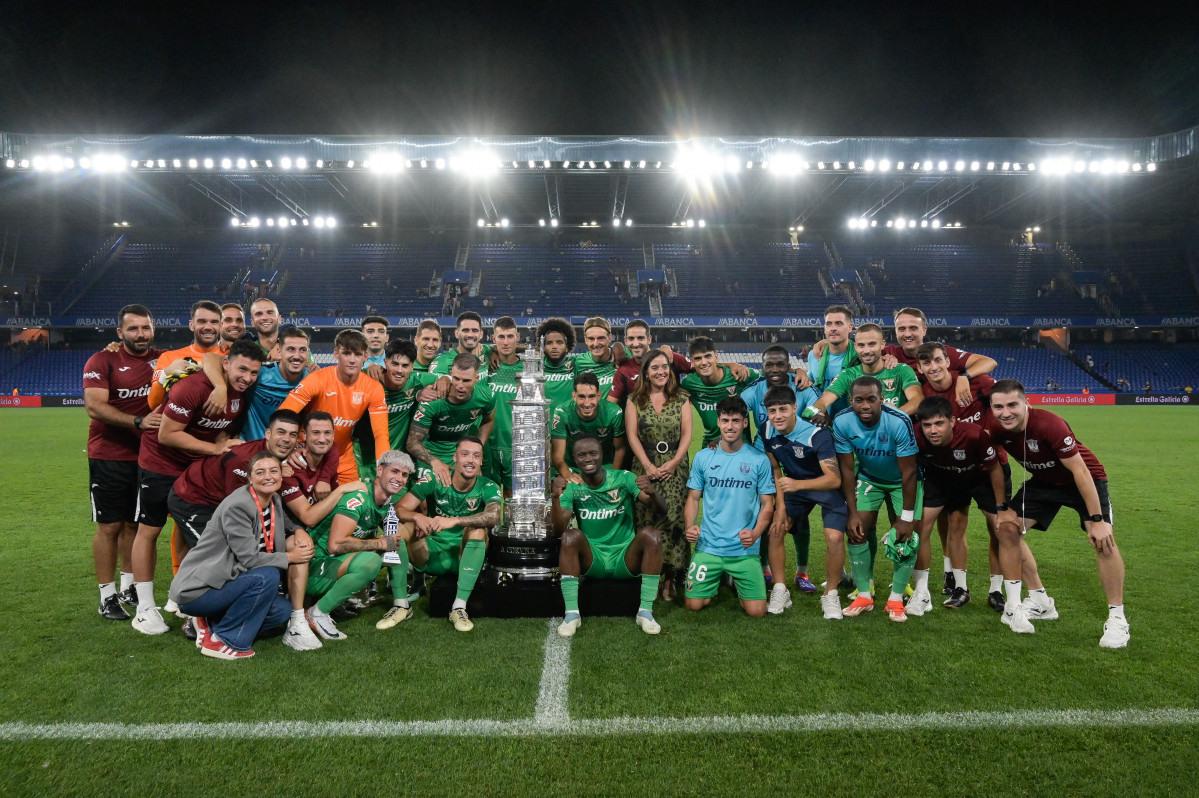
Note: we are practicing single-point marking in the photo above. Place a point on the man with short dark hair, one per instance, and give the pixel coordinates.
(469, 334)
(188, 431)
(504, 381)
(586, 415)
(375, 330)
(1062, 473)
(710, 382)
(911, 326)
(901, 387)
(115, 387)
(468, 409)
(277, 379)
(428, 344)
(233, 323)
(205, 325)
(638, 342)
(826, 363)
(603, 543)
(264, 317)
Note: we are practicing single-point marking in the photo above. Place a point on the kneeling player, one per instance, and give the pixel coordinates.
(452, 536)
(348, 544)
(806, 474)
(604, 545)
(737, 487)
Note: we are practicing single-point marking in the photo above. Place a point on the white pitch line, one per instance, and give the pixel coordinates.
(553, 693)
(599, 727)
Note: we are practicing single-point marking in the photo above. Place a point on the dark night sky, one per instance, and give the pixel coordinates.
(555, 68)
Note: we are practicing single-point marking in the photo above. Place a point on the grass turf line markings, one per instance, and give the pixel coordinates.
(536, 727)
(552, 708)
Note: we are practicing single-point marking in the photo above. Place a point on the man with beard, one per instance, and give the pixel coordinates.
(428, 344)
(586, 415)
(205, 325)
(469, 334)
(901, 387)
(115, 386)
(276, 380)
(468, 409)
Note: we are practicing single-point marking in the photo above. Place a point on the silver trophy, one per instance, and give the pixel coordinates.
(524, 545)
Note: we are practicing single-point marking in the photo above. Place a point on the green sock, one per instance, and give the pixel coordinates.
(649, 590)
(364, 567)
(803, 541)
(399, 580)
(468, 569)
(859, 563)
(903, 572)
(872, 542)
(570, 593)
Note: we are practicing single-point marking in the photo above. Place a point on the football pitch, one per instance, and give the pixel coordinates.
(951, 703)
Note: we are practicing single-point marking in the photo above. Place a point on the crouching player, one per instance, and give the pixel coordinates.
(348, 544)
(876, 445)
(806, 474)
(451, 536)
(604, 544)
(736, 484)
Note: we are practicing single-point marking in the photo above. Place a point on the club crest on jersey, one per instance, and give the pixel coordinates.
(425, 477)
(1067, 442)
(472, 504)
(1033, 446)
(614, 495)
(234, 405)
(356, 398)
(732, 389)
(889, 384)
(884, 437)
(354, 503)
(475, 413)
(602, 431)
(798, 450)
(745, 468)
(959, 454)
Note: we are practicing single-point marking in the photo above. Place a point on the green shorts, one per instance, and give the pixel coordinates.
(445, 553)
(322, 573)
(872, 496)
(497, 466)
(608, 563)
(703, 577)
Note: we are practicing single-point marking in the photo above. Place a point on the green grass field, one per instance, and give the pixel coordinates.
(952, 703)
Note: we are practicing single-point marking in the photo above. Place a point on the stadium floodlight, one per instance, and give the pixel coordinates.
(885, 166)
(504, 222)
(732, 163)
(234, 222)
(386, 163)
(475, 163)
(162, 164)
(628, 222)
(208, 163)
(874, 222)
(545, 164)
(641, 164)
(1036, 228)
(1150, 167)
(616, 222)
(304, 222)
(480, 223)
(318, 221)
(1136, 167)
(868, 165)
(890, 223)
(178, 164)
(851, 166)
(786, 164)
(85, 163)
(1107, 166)
(911, 222)
(532, 163)
(9, 163)
(541, 222)
(836, 164)
(936, 223)
(255, 221)
(226, 163)
(554, 222)
(24, 163)
(320, 164)
(628, 164)
(270, 222)
(927, 166)
(269, 163)
(1005, 166)
(924, 222)
(1015, 166)
(132, 163)
(990, 166)
(695, 162)
(285, 162)
(301, 163)
(349, 164)
(241, 163)
(607, 164)
(292, 222)
(283, 221)
(690, 223)
(330, 222)
(439, 163)
(974, 166)
(1032, 167)
(942, 166)
(149, 164)
(702, 223)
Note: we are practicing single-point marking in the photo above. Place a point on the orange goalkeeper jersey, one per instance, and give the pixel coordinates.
(191, 351)
(322, 390)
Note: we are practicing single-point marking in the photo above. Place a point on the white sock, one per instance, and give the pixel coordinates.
(400, 603)
(948, 564)
(831, 592)
(996, 583)
(1012, 587)
(459, 604)
(895, 597)
(1039, 595)
(107, 589)
(921, 580)
(959, 578)
(126, 581)
(297, 616)
(1115, 612)
(315, 611)
(145, 595)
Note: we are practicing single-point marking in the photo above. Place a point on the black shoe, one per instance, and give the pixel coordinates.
(189, 629)
(128, 596)
(959, 599)
(372, 594)
(111, 609)
(996, 601)
(950, 584)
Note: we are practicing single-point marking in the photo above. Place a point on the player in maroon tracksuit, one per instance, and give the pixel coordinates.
(187, 432)
(1062, 473)
(115, 387)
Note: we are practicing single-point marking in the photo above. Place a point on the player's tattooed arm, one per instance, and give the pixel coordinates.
(489, 517)
(342, 540)
(416, 447)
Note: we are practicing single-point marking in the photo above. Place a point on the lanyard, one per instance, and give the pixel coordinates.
(268, 523)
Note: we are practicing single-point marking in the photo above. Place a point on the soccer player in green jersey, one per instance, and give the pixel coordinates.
(599, 358)
(401, 392)
(901, 386)
(469, 334)
(603, 543)
(710, 383)
(348, 545)
(557, 338)
(586, 414)
(452, 536)
(438, 425)
(428, 344)
(504, 380)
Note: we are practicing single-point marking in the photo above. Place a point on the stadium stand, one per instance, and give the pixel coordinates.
(1167, 367)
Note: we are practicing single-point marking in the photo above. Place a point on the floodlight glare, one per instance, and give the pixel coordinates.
(890, 223)
(283, 221)
(234, 222)
(974, 166)
(628, 222)
(480, 223)
(616, 222)
(178, 164)
(702, 223)
(959, 166)
(226, 163)
(208, 164)
(85, 163)
(541, 222)
(285, 162)
(330, 222)
(641, 164)
(270, 222)
(936, 223)
(990, 166)
(554, 222)
(927, 166)
(868, 165)
(254, 221)
(241, 163)
(1005, 166)
(292, 222)
(851, 166)
(319, 221)
(504, 222)
(474, 162)
(911, 222)
(320, 164)
(691, 223)
(301, 163)
(1151, 167)
(607, 164)
(885, 166)
(820, 164)
(787, 164)
(924, 222)
(1136, 167)
(874, 222)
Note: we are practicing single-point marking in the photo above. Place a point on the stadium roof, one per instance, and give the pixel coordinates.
(461, 182)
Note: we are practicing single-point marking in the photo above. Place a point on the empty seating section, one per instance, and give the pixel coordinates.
(718, 279)
(1166, 367)
(168, 279)
(1035, 367)
(570, 279)
(53, 373)
(1149, 278)
(344, 279)
(1046, 273)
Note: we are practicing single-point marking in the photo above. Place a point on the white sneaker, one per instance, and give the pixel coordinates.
(920, 603)
(647, 624)
(831, 604)
(461, 620)
(323, 625)
(1115, 634)
(1040, 609)
(568, 628)
(1016, 616)
(394, 617)
(149, 622)
(780, 599)
(300, 637)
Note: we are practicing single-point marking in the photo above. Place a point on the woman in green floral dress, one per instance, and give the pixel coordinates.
(658, 424)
